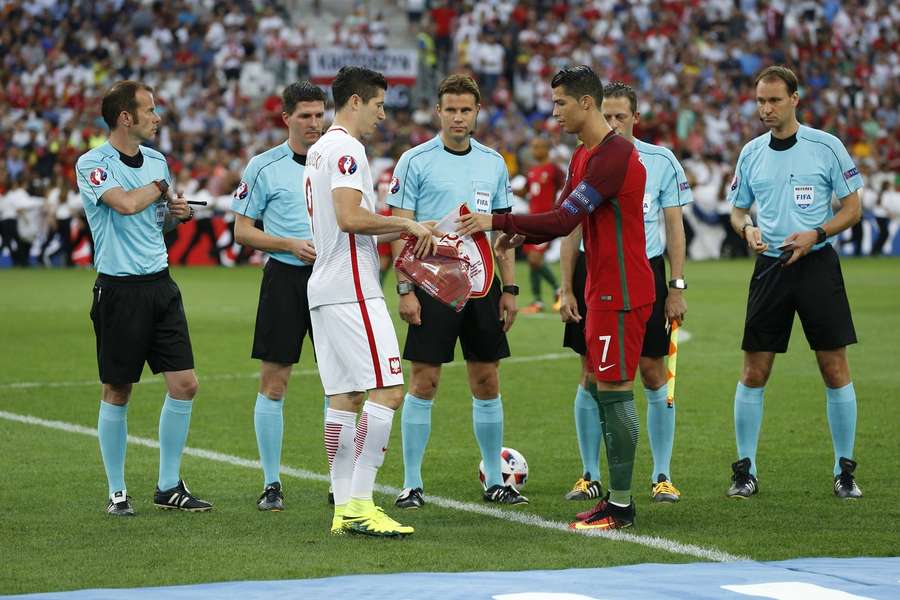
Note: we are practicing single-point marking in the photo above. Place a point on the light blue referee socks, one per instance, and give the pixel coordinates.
(487, 420)
(589, 429)
(112, 429)
(660, 430)
(174, 421)
(268, 419)
(415, 424)
(841, 409)
(748, 411)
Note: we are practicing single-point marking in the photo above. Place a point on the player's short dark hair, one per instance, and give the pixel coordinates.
(459, 84)
(779, 72)
(300, 91)
(620, 89)
(579, 81)
(121, 96)
(361, 81)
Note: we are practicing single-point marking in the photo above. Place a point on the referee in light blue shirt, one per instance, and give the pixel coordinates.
(792, 173)
(429, 182)
(272, 190)
(137, 310)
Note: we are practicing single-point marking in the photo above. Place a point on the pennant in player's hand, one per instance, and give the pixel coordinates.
(442, 275)
(475, 249)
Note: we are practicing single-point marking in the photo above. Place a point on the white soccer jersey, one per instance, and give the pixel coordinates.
(346, 267)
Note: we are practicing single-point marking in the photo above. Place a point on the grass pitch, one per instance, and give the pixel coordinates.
(54, 489)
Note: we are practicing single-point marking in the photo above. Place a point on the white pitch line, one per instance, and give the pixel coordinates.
(17, 385)
(657, 543)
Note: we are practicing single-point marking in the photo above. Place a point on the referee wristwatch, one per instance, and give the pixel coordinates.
(511, 289)
(678, 284)
(163, 186)
(405, 287)
(821, 235)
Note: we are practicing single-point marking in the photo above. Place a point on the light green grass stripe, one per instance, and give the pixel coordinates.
(657, 543)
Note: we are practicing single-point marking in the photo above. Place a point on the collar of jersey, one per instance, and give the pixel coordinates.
(459, 152)
(780, 145)
(135, 162)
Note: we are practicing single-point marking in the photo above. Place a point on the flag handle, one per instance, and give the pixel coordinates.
(672, 365)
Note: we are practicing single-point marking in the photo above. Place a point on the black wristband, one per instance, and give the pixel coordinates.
(821, 235)
(511, 289)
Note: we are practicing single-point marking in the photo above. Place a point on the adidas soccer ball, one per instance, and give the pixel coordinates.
(513, 468)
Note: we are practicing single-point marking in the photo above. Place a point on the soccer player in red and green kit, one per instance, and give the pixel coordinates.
(604, 194)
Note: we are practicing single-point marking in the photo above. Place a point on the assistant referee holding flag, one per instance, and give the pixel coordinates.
(791, 173)
(137, 309)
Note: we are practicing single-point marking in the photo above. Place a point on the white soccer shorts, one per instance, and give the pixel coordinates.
(356, 346)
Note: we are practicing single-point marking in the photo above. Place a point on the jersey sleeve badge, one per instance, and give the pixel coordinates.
(97, 176)
(242, 190)
(347, 165)
(395, 185)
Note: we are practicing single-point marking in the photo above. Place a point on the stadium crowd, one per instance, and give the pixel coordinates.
(218, 68)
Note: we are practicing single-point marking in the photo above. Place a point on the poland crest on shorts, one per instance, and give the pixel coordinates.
(476, 249)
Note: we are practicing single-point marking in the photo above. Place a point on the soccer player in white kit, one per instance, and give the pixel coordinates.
(356, 346)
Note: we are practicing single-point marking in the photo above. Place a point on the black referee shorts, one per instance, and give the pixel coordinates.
(813, 287)
(282, 318)
(573, 336)
(478, 328)
(137, 319)
(656, 338)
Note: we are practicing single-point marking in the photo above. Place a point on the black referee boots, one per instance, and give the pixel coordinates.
(180, 498)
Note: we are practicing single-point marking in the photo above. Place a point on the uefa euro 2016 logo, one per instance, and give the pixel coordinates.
(241, 192)
(395, 185)
(347, 165)
(97, 176)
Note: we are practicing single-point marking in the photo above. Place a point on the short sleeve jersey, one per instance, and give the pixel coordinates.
(544, 182)
(431, 180)
(666, 187)
(123, 244)
(346, 267)
(793, 188)
(272, 190)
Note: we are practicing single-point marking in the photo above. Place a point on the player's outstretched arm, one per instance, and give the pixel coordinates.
(353, 218)
(542, 226)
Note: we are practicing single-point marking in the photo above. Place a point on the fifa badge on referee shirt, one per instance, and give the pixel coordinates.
(804, 195)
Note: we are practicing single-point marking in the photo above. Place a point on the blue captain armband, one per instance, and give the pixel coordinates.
(583, 199)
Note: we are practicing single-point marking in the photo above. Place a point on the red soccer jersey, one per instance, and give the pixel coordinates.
(604, 192)
(543, 183)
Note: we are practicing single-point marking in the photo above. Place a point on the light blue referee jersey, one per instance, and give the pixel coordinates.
(123, 244)
(793, 188)
(666, 187)
(272, 189)
(431, 180)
